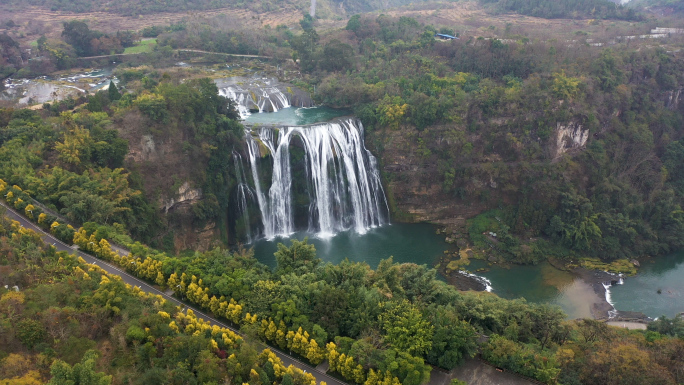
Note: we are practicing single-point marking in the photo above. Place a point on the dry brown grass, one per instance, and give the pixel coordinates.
(470, 19)
(465, 17)
(34, 21)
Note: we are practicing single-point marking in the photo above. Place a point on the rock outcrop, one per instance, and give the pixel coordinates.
(186, 195)
(570, 136)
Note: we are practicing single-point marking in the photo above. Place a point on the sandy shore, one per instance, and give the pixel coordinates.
(600, 309)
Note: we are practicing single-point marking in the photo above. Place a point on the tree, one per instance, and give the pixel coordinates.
(565, 87)
(77, 34)
(75, 146)
(208, 368)
(30, 332)
(405, 328)
(607, 70)
(305, 45)
(113, 91)
(63, 55)
(453, 339)
(307, 22)
(337, 56)
(354, 23)
(391, 111)
(577, 226)
(624, 364)
(299, 257)
(82, 373)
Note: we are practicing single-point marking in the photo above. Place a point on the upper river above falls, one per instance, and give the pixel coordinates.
(295, 116)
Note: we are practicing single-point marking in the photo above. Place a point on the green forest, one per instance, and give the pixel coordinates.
(564, 147)
(604, 9)
(73, 322)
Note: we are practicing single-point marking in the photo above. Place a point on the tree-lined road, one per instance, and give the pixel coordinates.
(134, 281)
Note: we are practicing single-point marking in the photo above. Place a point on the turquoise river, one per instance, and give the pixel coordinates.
(542, 283)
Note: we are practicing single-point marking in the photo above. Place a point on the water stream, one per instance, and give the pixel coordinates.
(54, 88)
(640, 293)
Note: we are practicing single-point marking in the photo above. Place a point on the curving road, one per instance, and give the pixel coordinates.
(134, 281)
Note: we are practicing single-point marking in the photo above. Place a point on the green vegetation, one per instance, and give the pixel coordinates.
(564, 150)
(564, 8)
(146, 45)
(10, 57)
(619, 266)
(598, 9)
(669, 5)
(71, 323)
(384, 323)
(89, 42)
(73, 162)
(75, 170)
(497, 120)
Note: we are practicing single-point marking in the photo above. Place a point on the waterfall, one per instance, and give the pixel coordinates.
(255, 94)
(345, 190)
(238, 98)
(244, 194)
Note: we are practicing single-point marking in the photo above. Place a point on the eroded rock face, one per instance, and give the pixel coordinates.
(414, 183)
(672, 98)
(570, 136)
(186, 194)
(187, 235)
(193, 238)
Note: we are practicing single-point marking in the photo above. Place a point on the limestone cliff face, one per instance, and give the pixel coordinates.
(672, 98)
(186, 195)
(446, 174)
(187, 234)
(570, 136)
(413, 180)
(163, 165)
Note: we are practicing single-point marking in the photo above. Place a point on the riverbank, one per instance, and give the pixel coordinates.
(581, 292)
(599, 281)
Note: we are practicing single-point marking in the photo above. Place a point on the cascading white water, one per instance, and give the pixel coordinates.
(345, 192)
(239, 99)
(258, 94)
(244, 194)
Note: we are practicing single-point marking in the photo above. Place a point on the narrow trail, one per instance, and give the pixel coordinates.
(178, 50)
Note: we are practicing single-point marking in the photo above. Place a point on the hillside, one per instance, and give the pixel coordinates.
(659, 7)
(328, 9)
(69, 321)
(526, 139)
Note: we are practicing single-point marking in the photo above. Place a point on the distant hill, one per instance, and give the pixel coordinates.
(141, 7)
(661, 7)
(600, 9)
(553, 9)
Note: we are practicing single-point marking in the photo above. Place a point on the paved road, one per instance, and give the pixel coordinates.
(476, 372)
(134, 281)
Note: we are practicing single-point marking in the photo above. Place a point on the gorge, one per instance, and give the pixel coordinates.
(317, 177)
(306, 172)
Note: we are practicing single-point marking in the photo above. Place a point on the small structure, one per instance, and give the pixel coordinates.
(442, 36)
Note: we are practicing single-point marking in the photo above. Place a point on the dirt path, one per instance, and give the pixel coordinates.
(628, 325)
(178, 50)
